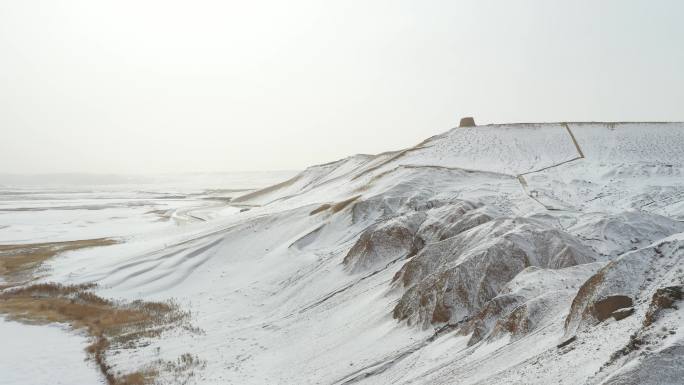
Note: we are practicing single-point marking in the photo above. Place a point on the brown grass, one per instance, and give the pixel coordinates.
(267, 190)
(21, 262)
(339, 206)
(336, 207)
(111, 324)
(320, 208)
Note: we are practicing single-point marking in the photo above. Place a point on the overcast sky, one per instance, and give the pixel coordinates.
(179, 86)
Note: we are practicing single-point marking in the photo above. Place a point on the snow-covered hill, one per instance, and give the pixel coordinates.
(501, 254)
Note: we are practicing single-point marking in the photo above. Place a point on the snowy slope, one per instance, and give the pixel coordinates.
(510, 149)
(479, 256)
(43, 355)
(617, 143)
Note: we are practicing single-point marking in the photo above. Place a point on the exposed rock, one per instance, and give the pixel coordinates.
(441, 314)
(663, 367)
(483, 322)
(462, 273)
(621, 314)
(664, 298)
(623, 282)
(530, 300)
(635, 343)
(567, 342)
(448, 221)
(385, 242)
(605, 307)
(377, 208)
(518, 322)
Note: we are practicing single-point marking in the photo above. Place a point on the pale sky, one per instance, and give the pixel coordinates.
(181, 86)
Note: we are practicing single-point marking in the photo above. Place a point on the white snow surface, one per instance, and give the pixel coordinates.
(277, 305)
(39, 355)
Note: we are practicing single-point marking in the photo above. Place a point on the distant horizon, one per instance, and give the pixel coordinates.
(148, 174)
(200, 172)
(230, 179)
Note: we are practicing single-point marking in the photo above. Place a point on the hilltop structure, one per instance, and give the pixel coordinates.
(468, 121)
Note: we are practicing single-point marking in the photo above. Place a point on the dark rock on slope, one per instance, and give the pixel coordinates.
(452, 279)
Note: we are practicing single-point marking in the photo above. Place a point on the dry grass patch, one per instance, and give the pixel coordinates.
(336, 207)
(111, 324)
(339, 206)
(21, 262)
(266, 190)
(320, 208)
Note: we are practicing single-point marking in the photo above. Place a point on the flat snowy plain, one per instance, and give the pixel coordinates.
(503, 254)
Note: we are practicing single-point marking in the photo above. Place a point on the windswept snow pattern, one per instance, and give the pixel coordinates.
(502, 254)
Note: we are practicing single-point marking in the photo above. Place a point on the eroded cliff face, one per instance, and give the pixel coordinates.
(451, 280)
(637, 282)
(385, 242)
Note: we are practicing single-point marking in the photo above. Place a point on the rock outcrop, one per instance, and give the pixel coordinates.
(631, 278)
(385, 242)
(452, 279)
(663, 298)
(535, 296)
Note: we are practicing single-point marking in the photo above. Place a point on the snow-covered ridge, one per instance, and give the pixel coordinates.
(500, 254)
(649, 149)
(471, 222)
